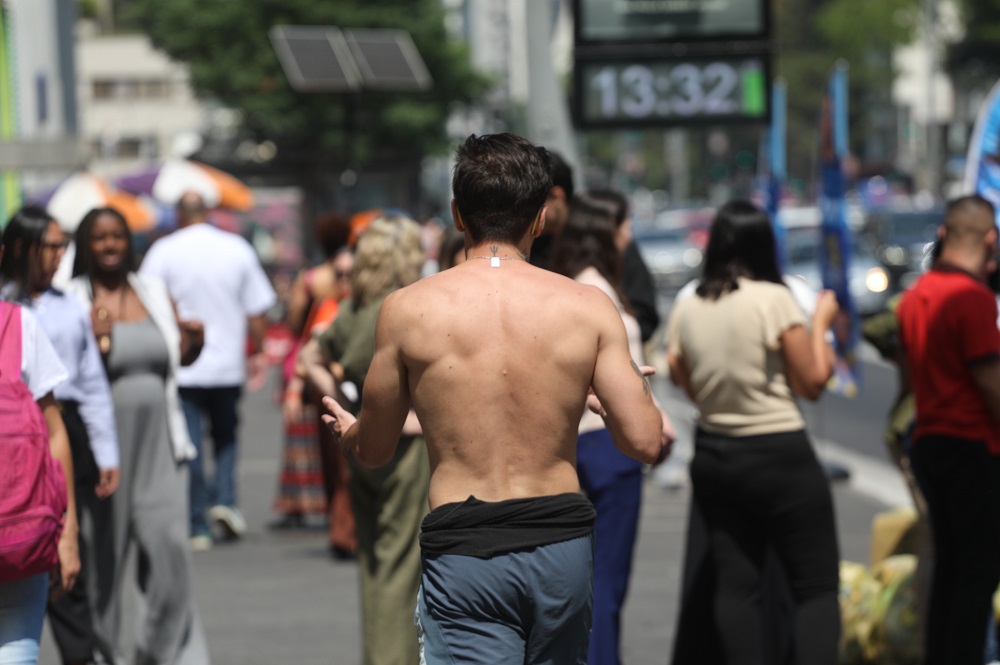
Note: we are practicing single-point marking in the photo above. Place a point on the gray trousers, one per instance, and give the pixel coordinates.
(150, 510)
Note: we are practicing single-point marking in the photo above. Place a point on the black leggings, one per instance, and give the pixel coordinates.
(763, 492)
(961, 481)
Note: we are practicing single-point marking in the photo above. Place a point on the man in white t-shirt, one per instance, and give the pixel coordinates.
(215, 277)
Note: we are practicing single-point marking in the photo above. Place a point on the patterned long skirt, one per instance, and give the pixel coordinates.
(300, 485)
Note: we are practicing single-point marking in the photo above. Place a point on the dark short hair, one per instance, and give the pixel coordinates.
(740, 244)
(500, 183)
(22, 240)
(562, 174)
(588, 241)
(614, 198)
(83, 262)
(332, 230)
(969, 200)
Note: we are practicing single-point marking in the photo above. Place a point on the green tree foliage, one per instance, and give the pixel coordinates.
(975, 58)
(811, 37)
(226, 45)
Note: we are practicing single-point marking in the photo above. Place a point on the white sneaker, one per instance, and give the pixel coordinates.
(201, 543)
(230, 519)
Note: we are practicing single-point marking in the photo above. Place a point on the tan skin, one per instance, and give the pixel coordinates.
(332, 280)
(497, 364)
(115, 300)
(51, 253)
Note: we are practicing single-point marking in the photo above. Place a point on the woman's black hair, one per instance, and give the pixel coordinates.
(740, 244)
(83, 263)
(22, 241)
(588, 241)
(615, 199)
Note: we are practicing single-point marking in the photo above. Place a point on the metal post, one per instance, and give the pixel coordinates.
(930, 135)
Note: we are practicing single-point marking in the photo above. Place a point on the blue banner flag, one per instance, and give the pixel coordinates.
(982, 167)
(835, 245)
(772, 173)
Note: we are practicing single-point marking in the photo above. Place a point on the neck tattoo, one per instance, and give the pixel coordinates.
(495, 260)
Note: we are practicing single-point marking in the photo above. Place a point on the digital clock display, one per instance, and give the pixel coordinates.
(664, 91)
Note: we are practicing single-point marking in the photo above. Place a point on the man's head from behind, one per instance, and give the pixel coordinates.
(500, 185)
(969, 231)
(560, 194)
(191, 209)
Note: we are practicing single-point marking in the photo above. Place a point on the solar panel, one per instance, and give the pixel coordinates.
(388, 59)
(315, 58)
(326, 59)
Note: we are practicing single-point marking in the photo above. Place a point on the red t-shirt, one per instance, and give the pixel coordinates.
(948, 323)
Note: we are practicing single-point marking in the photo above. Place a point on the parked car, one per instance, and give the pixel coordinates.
(904, 240)
(868, 278)
(671, 256)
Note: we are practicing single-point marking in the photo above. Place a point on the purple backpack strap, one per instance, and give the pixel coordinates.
(10, 341)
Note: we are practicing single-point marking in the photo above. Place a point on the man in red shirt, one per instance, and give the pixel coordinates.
(948, 328)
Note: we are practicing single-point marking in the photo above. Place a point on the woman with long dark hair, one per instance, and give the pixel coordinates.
(741, 351)
(27, 353)
(588, 250)
(84, 401)
(142, 344)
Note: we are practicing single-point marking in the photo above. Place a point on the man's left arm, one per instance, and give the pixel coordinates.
(385, 402)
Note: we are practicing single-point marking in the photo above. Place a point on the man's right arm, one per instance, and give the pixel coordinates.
(626, 398)
(986, 376)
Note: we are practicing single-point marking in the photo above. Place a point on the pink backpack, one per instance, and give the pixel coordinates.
(32, 484)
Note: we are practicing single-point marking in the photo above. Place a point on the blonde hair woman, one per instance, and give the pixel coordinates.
(389, 502)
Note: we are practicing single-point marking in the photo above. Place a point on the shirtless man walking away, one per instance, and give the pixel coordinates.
(496, 358)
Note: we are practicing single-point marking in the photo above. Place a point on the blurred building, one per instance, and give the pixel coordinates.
(38, 113)
(136, 105)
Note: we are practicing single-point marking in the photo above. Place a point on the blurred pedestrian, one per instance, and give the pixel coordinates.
(388, 502)
(452, 250)
(84, 401)
(589, 251)
(309, 454)
(214, 277)
(29, 362)
(741, 351)
(496, 357)
(948, 330)
(636, 281)
(142, 344)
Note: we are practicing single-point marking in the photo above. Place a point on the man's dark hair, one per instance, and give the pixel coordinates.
(332, 231)
(500, 183)
(22, 240)
(963, 202)
(615, 199)
(562, 174)
(740, 244)
(83, 262)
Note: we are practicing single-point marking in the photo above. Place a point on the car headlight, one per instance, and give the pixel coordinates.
(876, 280)
(894, 255)
(692, 257)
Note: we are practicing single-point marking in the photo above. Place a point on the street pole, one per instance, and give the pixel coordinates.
(931, 136)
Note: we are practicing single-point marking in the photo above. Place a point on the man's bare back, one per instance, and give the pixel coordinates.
(497, 362)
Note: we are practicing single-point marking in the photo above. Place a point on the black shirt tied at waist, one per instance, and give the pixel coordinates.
(485, 529)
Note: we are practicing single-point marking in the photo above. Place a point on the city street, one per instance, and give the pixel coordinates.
(277, 597)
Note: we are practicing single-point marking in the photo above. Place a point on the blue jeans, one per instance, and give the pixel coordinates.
(221, 406)
(530, 606)
(613, 483)
(22, 611)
